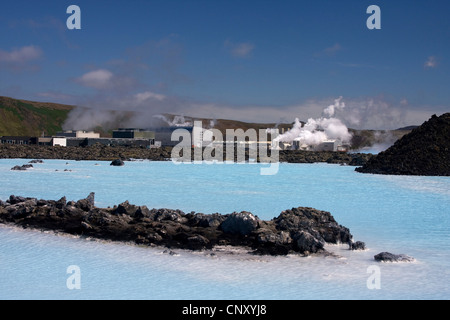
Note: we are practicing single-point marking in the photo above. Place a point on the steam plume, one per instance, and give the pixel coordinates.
(315, 131)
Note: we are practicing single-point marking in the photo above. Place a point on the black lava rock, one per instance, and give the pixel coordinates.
(299, 230)
(390, 257)
(22, 167)
(117, 163)
(358, 245)
(424, 151)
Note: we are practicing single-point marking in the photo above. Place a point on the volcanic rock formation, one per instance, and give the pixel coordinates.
(424, 151)
(299, 230)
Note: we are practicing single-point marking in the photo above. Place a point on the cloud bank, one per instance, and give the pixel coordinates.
(105, 108)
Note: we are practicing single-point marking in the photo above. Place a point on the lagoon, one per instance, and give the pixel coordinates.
(399, 214)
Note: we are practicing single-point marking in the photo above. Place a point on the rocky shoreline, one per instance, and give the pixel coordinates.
(425, 151)
(298, 230)
(110, 153)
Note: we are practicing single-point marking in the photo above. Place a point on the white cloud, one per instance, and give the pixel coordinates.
(143, 96)
(21, 59)
(98, 79)
(240, 50)
(104, 80)
(21, 55)
(431, 62)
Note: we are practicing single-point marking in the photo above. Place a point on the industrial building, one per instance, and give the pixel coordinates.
(129, 137)
(133, 133)
(18, 140)
(326, 145)
(68, 138)
(78, 134)
(164, 135)
(125, 142)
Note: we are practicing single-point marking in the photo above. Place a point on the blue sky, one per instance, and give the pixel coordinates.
(250, 60)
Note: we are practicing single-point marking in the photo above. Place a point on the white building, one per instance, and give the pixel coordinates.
(326, 145)
(59, 141)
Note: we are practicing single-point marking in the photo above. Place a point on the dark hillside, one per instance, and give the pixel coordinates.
(424, 151)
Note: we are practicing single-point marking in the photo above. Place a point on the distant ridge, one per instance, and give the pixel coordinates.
(29, 118)
(423, 151)
(408, 128)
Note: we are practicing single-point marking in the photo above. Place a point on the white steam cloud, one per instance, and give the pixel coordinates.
(316, 131)
(331, 109)
(178, 121)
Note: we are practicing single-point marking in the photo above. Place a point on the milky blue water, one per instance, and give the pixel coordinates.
(399, 214)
